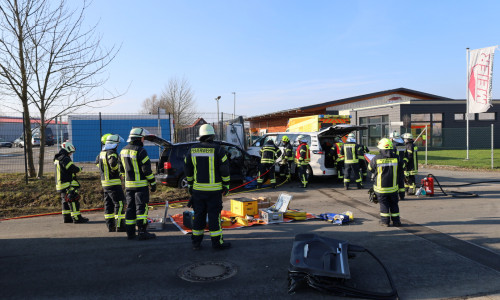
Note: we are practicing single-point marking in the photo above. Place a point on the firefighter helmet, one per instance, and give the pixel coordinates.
(114, 139)
(408, 136)
(104, 138)
(351, 138)
(69, 147)
(394, 135)
(137, 133)
(206, 129)
(285, 139)
(384, 143)
(301, 139)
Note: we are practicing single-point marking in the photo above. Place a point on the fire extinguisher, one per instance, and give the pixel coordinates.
(428, 185)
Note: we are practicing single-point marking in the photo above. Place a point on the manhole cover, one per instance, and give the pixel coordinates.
(207, 271)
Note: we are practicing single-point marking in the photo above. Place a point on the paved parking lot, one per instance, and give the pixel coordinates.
(449, 248)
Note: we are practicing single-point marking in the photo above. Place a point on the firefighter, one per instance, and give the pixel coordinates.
(67, 184)
(351, 152)
(339, 158)
(302, 159)
(388, 183)
(108, 163)
(138, 177)
(412, 163)
(399, 147)
(286, 158)
(206, 166)
(268, 155)
(363, 165)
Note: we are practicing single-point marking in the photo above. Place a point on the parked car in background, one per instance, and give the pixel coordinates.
(170, 167)
(49, 135)
(4, 143)
(19, 142)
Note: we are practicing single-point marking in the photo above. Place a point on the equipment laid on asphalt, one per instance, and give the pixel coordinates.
(429, 188)
(428, 185)
(274, 214)
(157, 222)
(322, 263)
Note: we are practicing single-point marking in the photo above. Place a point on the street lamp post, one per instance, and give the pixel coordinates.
(234, 105)
(217, 99)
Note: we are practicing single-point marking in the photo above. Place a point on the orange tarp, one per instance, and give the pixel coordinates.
(178, 221)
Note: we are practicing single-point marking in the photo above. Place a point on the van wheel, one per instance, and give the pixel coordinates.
(183, 183)
(309, 173)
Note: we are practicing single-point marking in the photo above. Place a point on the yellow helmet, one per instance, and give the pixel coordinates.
(285, 139)
(385, 143)
(104, 138)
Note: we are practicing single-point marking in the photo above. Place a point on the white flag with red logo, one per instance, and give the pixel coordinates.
(480, 71)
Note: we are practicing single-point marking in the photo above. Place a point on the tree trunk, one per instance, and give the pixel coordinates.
(41, 156)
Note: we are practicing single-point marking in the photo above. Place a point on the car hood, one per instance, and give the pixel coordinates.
(339, 130)
(157, 140)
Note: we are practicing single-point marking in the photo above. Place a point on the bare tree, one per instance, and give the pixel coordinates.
(14, 53)
(176, 99)
(151, 105)
(65, 61)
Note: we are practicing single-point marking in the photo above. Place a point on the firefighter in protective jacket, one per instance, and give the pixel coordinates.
(286, 159)
(138, 180)
(339, 158)
(67, 184)
(302, 159)
(352, 153)
(388, 176)
(268, 156)
(412, 163)
(109, 165)
(206, 166)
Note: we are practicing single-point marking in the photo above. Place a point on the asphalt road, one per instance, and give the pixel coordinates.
(448, 248)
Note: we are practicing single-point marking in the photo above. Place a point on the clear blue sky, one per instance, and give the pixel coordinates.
(282, 54)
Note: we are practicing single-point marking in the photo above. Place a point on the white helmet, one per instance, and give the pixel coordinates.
(408, 136)
(137, 133)
(206, 129)
(68, 146)
(351, 138)
(114, 139)
(394, 135)
(301, 139)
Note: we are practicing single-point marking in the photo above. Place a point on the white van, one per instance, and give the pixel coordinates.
(319, 143)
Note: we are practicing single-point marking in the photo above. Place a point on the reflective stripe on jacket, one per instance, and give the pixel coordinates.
(351, 151)
(269, 154)
(136, 166)
(65, 171)
(388, 173)
(302, 155)
(412, 158)
(206, 166)
(109, 166)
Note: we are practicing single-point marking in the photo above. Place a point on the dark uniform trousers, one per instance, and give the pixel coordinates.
(271, 174)
(70, 207)
(207, 203)
(114, 199)
(352, 171)
(285, 170)
(137, 207)
(389, 208)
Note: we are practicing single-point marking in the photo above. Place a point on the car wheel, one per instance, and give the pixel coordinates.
(183, 183)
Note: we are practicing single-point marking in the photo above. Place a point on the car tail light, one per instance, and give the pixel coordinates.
(167, 165)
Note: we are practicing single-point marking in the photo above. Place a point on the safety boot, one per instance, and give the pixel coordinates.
(384, 223)
(130, 231)
(396, 223)
(196, 241)
(121, 226)
(346, 186)
(79, 219)
(359, 185)
(67, 218)
(110, 223)
(219, 244)
(144, 235)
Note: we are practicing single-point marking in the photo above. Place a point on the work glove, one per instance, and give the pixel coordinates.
(225, 190)
(153, 188)
(402, 195)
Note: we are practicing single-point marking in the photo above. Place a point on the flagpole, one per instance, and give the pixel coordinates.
(467, 104)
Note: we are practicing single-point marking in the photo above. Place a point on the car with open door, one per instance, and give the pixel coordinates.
(170, 166)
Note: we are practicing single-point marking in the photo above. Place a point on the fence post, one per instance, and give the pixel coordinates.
(100, 131)
(426, 142)
(492, 146)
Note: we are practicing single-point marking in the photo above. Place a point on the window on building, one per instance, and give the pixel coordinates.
(420, 117)
(434, 124)
(378, 127)
(459, 117)
(486, 116)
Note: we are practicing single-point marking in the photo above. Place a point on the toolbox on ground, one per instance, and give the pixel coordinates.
(274, 214)
(155, 221)
(244, 206)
